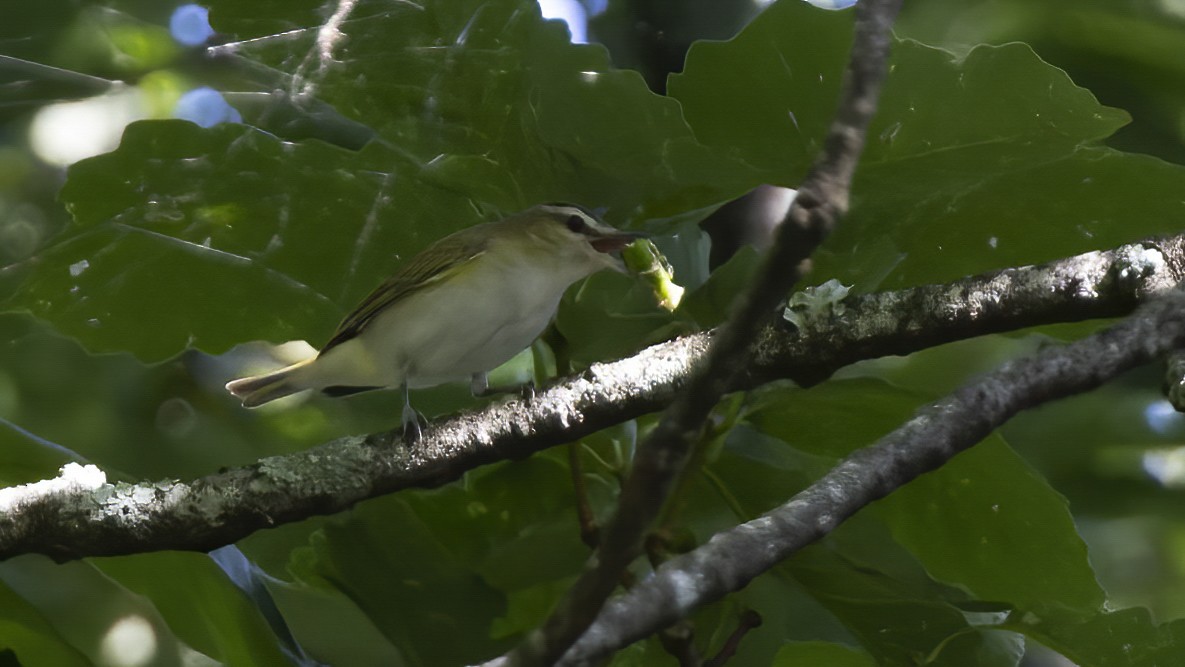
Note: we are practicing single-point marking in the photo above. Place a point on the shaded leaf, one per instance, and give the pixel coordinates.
(801, 654)
(199, 603)
(480, 109)
(985, 520)
(973, 163)
(55, 591)
(988, 521)
(30, 637)
(1112, 638)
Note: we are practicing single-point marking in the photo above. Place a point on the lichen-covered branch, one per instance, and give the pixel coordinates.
(733, 558)
(95, 518)
(1092, 285)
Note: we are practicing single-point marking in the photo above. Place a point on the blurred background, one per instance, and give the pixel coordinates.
(73, 74)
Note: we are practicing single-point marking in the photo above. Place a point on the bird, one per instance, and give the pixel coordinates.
(461, 307)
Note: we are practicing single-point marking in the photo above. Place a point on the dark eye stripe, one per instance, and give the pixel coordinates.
(576, 224)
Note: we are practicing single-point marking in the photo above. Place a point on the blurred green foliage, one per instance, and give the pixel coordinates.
(186, 242)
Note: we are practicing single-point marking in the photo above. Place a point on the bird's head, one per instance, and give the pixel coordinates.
(568, 234)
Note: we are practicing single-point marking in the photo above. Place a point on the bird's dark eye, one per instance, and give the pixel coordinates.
(576, 224)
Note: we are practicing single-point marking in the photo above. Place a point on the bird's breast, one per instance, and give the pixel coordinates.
(466, 325)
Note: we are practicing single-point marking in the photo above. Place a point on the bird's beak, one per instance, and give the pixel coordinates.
(615, 240)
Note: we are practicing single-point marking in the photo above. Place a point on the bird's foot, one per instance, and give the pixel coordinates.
(480, 386)
(527, 390)
(414, 424)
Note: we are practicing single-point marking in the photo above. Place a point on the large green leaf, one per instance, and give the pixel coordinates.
(985, 520)
(208, 237)
(896, 621)
(973, 163)
(767, 95)
(25, 457)
(476, 563)
(1127, 637)
(858, 583)
(330, 627)
(476, 88)
(31, 637)
(199, 603)
(186, 236)
(95, 615)
(483, 108)
(800, 654)
(432, 610)
(988, 521)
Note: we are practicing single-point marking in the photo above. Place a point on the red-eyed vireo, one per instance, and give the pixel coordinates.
(466, 304)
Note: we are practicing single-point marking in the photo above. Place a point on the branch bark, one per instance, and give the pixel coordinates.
(733, 558)
(102, 519)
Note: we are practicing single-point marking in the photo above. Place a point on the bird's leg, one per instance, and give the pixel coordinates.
(480, 386)
(527, 390)
(413, 421)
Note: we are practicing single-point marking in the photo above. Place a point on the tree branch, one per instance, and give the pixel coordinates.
(822, 199)
(936, 434)
(96, 518)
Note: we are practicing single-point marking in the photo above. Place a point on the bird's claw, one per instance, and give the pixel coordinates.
(414, 424)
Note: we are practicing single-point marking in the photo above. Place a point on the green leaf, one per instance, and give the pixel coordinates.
(528, 608)
(432, 611)
(472, 560)
(25, 457)
(491, 81)
(768, 95)
(610, 315)
(33, 639)
(711, 303)
(895, 622)
(199, 603)
(211, 237)
(1123, 638)
(832, 419)
(858, 582)
(988, 521)
(802, 654)
(330, 627)
(972, 163)
(116, 625)
(985, 520)
(481, 109)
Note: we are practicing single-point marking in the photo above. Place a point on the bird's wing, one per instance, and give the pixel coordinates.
(438, 262)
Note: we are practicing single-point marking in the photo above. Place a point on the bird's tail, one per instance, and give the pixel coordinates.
(259, 389)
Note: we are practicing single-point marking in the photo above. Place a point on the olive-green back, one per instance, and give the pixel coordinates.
(437, 262)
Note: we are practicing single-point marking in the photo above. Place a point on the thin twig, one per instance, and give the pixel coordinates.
(750, 620)
(679, 641)
(589, 531)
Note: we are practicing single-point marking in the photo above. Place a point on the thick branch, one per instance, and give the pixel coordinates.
(79, 521)
(822, 199)
(936, 433)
